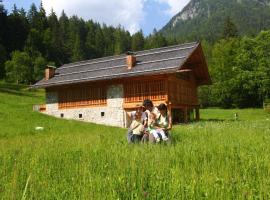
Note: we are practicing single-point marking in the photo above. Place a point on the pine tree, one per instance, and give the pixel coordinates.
(137, 42)
(99, 42)
(53, 40)
(63, 28)
(155, 40)
(17, 30)
(77, 53)
(42, 23)
(109, 40)
(229, 29)
(32, 16)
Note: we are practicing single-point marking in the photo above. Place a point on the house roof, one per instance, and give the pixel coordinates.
(149, 62)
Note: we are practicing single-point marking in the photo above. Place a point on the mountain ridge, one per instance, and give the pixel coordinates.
(204, 19)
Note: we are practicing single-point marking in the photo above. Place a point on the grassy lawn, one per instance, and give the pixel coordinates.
(217, 158)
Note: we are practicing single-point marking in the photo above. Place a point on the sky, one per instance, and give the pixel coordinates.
(133, 15)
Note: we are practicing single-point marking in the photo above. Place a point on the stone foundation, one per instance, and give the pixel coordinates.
(113, 114)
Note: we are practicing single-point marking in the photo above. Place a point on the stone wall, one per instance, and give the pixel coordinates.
(113, 114)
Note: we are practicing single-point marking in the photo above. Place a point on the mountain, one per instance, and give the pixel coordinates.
(204, 19)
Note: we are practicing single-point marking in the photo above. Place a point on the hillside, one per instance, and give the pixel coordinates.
(204, 19)
(217, 158)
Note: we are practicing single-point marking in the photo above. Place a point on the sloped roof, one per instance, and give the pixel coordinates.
(149, 62)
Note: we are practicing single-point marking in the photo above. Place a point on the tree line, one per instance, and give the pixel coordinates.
(31, 40)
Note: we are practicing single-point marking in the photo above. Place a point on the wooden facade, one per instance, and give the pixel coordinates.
(178, 91)
(82, 96)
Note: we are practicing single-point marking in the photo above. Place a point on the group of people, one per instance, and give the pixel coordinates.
(149, 123)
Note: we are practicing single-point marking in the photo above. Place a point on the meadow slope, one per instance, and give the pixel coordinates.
(217, 158)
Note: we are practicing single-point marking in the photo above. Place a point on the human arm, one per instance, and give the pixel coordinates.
(131, 115)
(145, 119)
(169, 123)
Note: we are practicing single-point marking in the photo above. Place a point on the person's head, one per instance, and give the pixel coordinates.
(162, 109)
(138, 115)
(139, 108)
(148, 104)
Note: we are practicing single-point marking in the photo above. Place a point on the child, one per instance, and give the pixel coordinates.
(132, 115)
(154, 130)
(137, 127)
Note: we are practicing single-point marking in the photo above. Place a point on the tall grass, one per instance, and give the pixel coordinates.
(217, 158)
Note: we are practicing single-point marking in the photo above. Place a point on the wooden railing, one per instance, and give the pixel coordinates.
(137, 91)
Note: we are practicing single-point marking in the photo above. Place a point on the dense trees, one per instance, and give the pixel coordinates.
(44, 38)
(240, 70)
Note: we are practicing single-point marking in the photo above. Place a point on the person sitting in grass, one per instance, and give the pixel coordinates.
(149, 108)
(154, 129)
(163, 123)
(136, 116)
(136, 128)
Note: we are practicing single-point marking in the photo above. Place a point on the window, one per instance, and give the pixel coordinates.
(102, 114)
(80, 116)
(62, 115)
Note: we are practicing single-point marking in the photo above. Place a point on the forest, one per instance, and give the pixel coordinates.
(29, 40)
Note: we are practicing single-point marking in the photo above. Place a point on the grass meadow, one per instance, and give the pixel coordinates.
(216, 158)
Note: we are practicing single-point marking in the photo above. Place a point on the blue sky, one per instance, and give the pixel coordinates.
(132, 14)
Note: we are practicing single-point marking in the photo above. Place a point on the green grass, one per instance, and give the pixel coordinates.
(217, 158)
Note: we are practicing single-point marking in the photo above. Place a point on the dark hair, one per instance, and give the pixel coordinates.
(148, 103)
(162, 106)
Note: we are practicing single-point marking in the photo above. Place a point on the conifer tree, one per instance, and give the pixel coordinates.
(137, 42)
(229, 29)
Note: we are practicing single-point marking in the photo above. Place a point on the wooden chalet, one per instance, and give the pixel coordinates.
(103, 90)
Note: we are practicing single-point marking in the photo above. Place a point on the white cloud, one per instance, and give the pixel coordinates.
(175, 5)
(128, 13)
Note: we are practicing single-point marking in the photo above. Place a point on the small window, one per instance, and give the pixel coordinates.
(62, 115)
(80, 116)
(102, 114)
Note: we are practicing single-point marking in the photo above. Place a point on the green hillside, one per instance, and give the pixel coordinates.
(204, 19)
(217, 158)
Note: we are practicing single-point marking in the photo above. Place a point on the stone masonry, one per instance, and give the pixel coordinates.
(113, 114)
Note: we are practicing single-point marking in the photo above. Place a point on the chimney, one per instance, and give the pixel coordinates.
(49, 72)
(131, 60)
